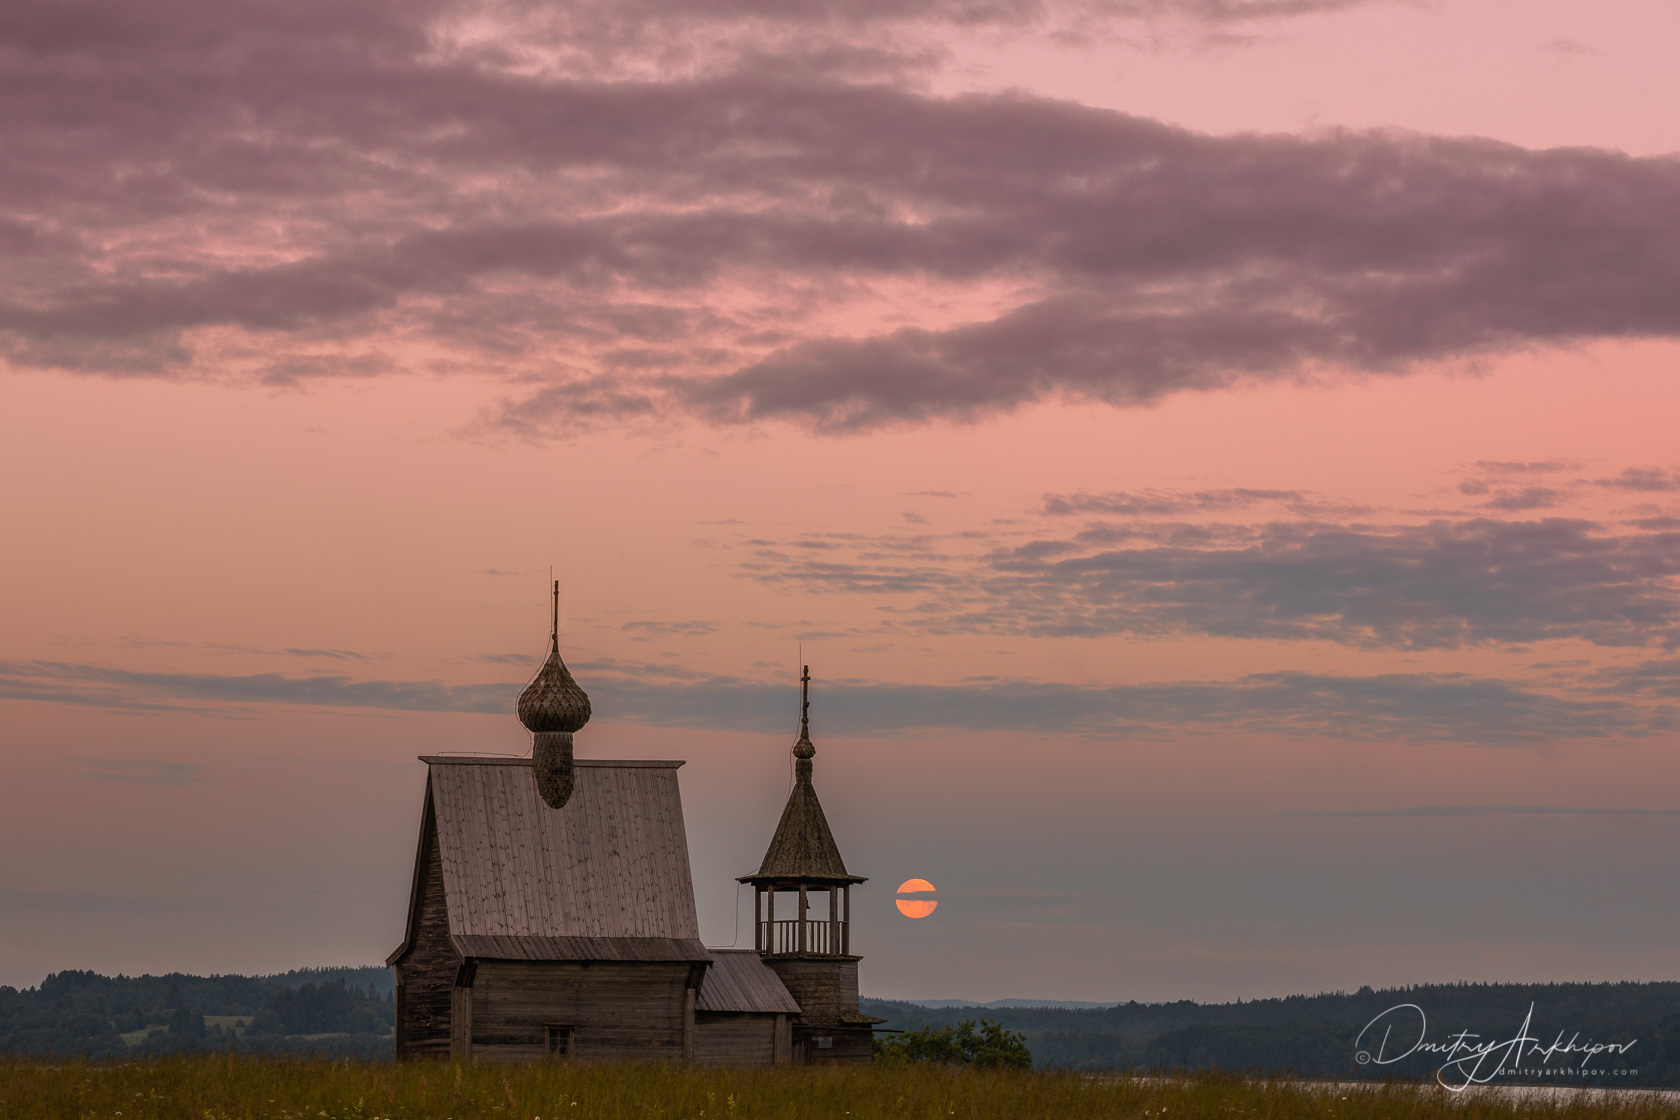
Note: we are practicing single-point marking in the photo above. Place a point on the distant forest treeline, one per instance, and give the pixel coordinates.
(348, 1011)
(1315, 1035)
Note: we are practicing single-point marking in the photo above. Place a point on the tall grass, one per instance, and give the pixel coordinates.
(206, 1087)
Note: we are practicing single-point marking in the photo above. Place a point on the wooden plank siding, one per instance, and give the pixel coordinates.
(616, 1009)
(427, 964)
(460, 1022)
(853, 1046)
(735, 1039)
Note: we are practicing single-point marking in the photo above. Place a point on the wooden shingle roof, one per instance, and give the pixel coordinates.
(739, 980)
(505, 948)
(803, 848)
(604, 878)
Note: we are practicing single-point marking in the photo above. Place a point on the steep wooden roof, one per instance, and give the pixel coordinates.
(491, 947)
(604, 878)
(739, 980)
(803, 848)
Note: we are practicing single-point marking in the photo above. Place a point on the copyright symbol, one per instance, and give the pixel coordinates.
(1363, 1057)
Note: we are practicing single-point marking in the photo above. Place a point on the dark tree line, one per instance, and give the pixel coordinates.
(349, 1011)
(1315, 1035)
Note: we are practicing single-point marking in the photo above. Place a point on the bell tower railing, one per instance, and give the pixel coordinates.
(803, 935)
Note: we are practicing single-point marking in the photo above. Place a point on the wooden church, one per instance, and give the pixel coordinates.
(552, 914)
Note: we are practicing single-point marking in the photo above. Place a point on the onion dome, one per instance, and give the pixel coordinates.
(552, 708)
(553, 701)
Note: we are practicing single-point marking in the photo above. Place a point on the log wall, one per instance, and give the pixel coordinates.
(616, 1009)
(426, 973)
(735, 1038)
(825, 988)
(849, 1046)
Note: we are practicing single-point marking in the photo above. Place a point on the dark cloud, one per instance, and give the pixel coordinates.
(1528, 498)
(142, 771)
(137, 642)
(1649, 678)
(1514, 488)
(647, 631)
(597, 36)
(1542, 466)
(856, 576)
(1165, 503)
(509, 658)
(99, 686)
(285, 191)
(1400, 707)
(1648, 480)
(1190, 273)
(1440, 585)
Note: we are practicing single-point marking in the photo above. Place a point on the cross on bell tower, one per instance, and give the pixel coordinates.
(810, 951)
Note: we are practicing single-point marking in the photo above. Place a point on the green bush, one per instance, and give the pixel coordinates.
(984, 1045)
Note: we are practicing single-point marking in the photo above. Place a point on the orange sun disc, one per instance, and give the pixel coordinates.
(916, 907)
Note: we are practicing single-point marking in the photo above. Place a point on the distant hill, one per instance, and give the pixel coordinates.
(346, 1011)
(1315, 1035)
(1011, 1003)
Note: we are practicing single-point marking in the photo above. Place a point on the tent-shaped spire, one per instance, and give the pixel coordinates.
(803, 849)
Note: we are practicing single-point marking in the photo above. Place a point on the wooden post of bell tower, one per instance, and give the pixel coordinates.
(813, 957)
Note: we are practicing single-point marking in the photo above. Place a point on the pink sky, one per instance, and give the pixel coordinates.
(1235, 549)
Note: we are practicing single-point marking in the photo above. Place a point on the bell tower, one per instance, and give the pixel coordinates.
(802, 911)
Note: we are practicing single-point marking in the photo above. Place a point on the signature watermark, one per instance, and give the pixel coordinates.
(1466, 1060)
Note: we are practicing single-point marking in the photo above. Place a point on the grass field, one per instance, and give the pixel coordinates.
(224, 1088)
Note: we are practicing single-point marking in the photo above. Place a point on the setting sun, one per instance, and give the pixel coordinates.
(916, 907)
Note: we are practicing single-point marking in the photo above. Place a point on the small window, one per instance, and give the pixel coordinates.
(559, 1042)
(825, 1042)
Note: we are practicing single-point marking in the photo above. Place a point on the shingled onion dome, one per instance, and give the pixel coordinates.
(553, 708)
